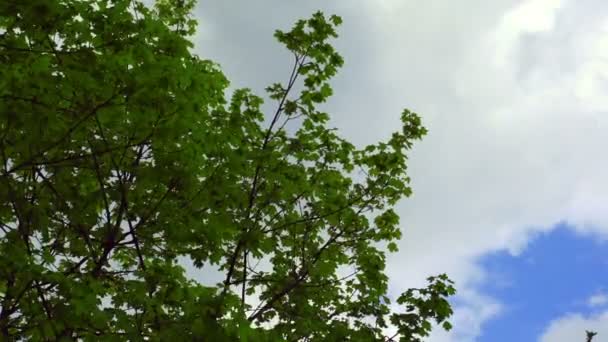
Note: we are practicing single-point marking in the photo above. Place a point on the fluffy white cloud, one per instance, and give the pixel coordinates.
(468, 317)
(572, 327)
(598, 299)
(513, 147)
(514, 95)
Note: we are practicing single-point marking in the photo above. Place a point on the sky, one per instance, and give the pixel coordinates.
(510, 185)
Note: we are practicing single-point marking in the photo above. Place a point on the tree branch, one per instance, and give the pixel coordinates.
(254, 186)
(63, 138)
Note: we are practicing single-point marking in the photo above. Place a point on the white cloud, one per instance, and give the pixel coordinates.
(514, 95)
(532, 16)
(591, 86)
(468, 318)
(598, 299)
(572, 327)
(517, 152)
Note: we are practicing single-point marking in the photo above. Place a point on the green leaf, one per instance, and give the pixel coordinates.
(126, 159)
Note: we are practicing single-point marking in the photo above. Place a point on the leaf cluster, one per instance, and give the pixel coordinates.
(121, 155)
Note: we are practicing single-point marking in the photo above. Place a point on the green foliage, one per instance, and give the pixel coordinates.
(423, 304)
(120, 153)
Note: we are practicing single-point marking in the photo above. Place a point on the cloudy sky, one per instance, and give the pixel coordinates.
(511, 184)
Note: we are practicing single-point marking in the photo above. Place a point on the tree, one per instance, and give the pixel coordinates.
(121, 153)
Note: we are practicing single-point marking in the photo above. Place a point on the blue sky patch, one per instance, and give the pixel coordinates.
(556, 274)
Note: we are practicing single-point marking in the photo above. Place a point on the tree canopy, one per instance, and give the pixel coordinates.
(122, 153)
